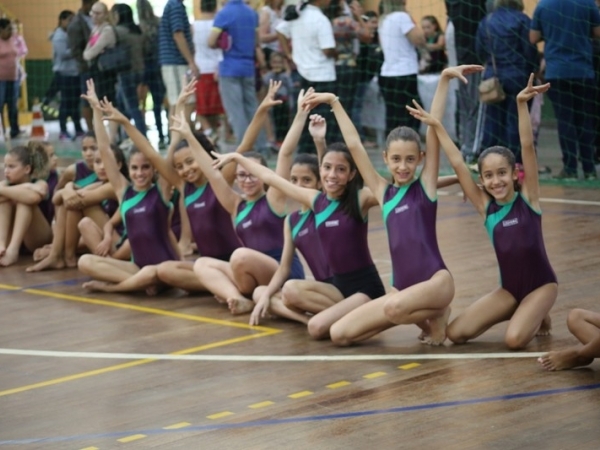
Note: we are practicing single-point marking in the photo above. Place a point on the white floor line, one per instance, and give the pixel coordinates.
(565, 201)
(267, 358)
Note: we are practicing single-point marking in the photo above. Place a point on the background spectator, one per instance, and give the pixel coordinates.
(79, 31)
(434, 59)
(464, 17)
(152, 79)
(567, 28)
(505, 35)
(280, 114)
(176, 52)
(237, 80)
(400, 37)
(270, 17)
(67, 75)
(307, 41)
(209, 108)
(9, 73)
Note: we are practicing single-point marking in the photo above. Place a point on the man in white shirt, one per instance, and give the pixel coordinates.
(313, 53)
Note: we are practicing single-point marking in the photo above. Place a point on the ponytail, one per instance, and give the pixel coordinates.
(33, 155)
(292, 12)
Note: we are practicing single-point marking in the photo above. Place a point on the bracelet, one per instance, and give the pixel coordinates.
(335, 100)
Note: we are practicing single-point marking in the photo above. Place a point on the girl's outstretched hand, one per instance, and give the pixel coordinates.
(531, 91)
(223, 159)
(187, 91)
(90, 95)
(460, 71)
(180, 125)
(302, 96)
(316, 98)
(260, 311)
(419, 113)
(111, 113)
(317, 127)
(269, 100)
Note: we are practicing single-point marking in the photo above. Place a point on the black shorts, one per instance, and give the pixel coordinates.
(366, 281)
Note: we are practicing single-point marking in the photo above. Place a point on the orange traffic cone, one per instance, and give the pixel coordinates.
(37, 123)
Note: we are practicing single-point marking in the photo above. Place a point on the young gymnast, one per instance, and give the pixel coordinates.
(422, 286)
(211, 224)
(146, 215)
(95, 203)
(258, 219)
(342, 225)
(585, 326)
(22, 222)
(46, 205)
(514, 223)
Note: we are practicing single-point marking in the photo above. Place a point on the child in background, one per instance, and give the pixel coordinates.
(280, 114)
(434, 60)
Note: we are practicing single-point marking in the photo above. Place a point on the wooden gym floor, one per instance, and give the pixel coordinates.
(196, 377)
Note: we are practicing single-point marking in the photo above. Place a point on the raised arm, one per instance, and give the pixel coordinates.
(317, 127)
(431, 167)
(228, 198)
(277, 199)
(531, 187)
(372, 179)
(472, 191)
(113, 173)
(302, 195)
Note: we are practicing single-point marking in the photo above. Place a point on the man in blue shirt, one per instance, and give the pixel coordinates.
(567, 27)
(175, 51)
(235, 30)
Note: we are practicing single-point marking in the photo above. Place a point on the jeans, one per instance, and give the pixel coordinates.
(9, 97)
(128, 97)
(238, 95)
(69, 101)
(573, 103)
(357, 106)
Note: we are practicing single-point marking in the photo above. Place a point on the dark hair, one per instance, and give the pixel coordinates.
(310, 160)
(334, 10)
(349, 199)
(371, 14)
(504, 152)
(4, 23)
(89, 134)
(292, 12)
(208, 5)
(120, 158)
(202, 140)
(126, 17)
(33, 155)
(406, 134)
(256, 155)
(434, 21)
(64, 14)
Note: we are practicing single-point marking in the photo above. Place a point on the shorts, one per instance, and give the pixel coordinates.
(208, 99)
(173, 78)
(297, 270)
(366, 281)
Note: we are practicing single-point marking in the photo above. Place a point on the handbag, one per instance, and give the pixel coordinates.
(490, 90)
(115, 59)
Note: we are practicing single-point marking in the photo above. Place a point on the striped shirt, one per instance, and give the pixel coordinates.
(174, 19)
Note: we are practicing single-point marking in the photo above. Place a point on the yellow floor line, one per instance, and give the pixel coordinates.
(409, 366)
(9, 287)
(261, 404)
(177, 426)
(220, 415)
(339, 384)
(300, 394)
(370, 376)
(134, 437)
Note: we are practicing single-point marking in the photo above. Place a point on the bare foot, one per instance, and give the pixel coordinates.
(2, 251)
(152, 291)
(426, 331)
(71, 262)
(9, 258)
(49, 263)
(42, 252)
(564, 359)
(101, 286)
(438, 328)
(220, 299)
(545, 327)
(240, 305)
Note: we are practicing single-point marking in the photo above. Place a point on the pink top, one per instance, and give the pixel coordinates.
(8, 60)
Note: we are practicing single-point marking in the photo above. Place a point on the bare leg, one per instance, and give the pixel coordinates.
(145, 279)
(55, 258)
(88, 115)
(278, 308)
(72, 236)
(526, 320)
(123, 252)
(493, 308)
(309, 295)
(426, 301)
(217, 277)
(7, 212)
(180, 274)
(320, 325)
(545, 327)
(106, 269)
(585, 325)
(90, 232)
(29, 228)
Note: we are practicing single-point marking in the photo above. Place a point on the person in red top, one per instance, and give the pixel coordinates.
(8, 71)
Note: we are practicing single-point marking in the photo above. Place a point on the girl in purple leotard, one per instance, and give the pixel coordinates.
(528, 286)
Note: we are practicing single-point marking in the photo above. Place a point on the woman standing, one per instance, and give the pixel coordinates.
(400, 38)
(9, 74)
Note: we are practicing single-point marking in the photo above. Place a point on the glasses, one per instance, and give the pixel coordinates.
(96, 13)
(245, 176)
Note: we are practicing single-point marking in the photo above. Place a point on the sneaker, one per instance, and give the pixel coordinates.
(544, 170)
(565, 176)
(65, 137)
(590, 176)
(79, 134)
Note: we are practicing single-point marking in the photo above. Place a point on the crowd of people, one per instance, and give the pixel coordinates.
(135, 220)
